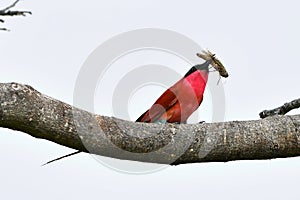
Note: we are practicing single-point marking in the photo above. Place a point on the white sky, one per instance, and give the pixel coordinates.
(256, 40)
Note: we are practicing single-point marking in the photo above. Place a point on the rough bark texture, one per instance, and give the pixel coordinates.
(24, 109)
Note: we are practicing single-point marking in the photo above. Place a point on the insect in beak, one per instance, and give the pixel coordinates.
(216, 63)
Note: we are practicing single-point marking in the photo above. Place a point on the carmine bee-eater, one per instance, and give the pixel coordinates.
(178, 102)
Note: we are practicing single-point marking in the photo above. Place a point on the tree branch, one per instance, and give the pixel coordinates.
(7, 12)
(24, 109)
(282, 110)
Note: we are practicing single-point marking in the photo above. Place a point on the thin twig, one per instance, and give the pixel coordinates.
(15, 13)
(4, 29)
(7, 12)
(11, 6)
(282, 110)
(71, 154)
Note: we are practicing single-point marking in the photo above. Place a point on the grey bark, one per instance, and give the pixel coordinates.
(24, 109)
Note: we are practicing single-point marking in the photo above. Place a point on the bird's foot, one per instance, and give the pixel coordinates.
(161, 121)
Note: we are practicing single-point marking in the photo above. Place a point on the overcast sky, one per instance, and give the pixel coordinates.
(258, 42)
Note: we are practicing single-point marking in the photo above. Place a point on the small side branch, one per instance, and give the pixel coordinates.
(8, 12)
(282, 110)
(11, 6)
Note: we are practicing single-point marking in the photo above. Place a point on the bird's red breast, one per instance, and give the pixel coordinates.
(178, 102)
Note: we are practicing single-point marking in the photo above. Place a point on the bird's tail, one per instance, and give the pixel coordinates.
(56, 159)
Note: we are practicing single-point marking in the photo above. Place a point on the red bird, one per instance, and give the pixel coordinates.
(178, 102)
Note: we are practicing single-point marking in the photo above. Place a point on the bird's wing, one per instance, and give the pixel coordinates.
(162, 104)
